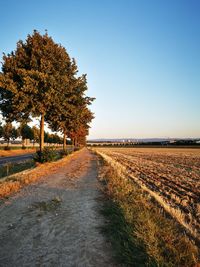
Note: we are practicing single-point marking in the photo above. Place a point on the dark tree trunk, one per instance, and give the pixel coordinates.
(72, 139)
(23, 142)
(75, 142)
(64, 141)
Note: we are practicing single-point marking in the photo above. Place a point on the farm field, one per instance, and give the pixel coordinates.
(16, 152)
(171, 176)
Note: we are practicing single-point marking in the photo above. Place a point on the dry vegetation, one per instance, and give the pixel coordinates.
(172, 178)
(16, 152)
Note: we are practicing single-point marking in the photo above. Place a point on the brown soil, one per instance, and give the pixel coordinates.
(56, 222)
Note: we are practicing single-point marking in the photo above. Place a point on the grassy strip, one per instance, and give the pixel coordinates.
(11, 168)
(141, 234)
(119, 233)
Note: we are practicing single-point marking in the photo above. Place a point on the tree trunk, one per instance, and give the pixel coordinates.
(23, 142)
(75, 142)
(64, 141)
(42, 133)
(72, 139)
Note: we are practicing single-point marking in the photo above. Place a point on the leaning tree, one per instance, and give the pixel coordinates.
(32, 79)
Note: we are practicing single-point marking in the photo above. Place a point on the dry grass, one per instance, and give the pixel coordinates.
(16, 152)
(14, 183)
(14, 167)
(171, 176)
(160, 239)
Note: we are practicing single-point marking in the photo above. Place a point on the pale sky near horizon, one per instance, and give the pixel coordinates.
(142, 59)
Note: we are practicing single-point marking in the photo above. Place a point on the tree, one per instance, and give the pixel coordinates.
(72, 107)
(14, 134)
(32, 78)
(36, 135)
(79, 127)
(1, 130)
(46, 137)
(9, 132)
(26, 132)
(52, 138)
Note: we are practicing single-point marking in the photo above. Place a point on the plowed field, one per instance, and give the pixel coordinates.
(171, 176)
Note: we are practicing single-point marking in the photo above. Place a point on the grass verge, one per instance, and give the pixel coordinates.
(11, 168)
(140, 232)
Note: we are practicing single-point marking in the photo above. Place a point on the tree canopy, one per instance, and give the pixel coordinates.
(39, 79)
(26, 132)
(9, 132)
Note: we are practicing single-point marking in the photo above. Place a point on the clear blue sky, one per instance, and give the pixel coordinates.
(142, 59)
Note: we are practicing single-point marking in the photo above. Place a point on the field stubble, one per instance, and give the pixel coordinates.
(171, 176)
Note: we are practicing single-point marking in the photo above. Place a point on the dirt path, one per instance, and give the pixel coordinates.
(56, 222)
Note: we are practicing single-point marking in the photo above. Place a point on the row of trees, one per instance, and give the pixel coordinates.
(8, 132)
(39, 79)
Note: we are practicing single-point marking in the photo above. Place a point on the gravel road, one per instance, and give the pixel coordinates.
(56, 222)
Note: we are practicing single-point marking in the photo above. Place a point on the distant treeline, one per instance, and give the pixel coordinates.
(10, 134)
(177, 143)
